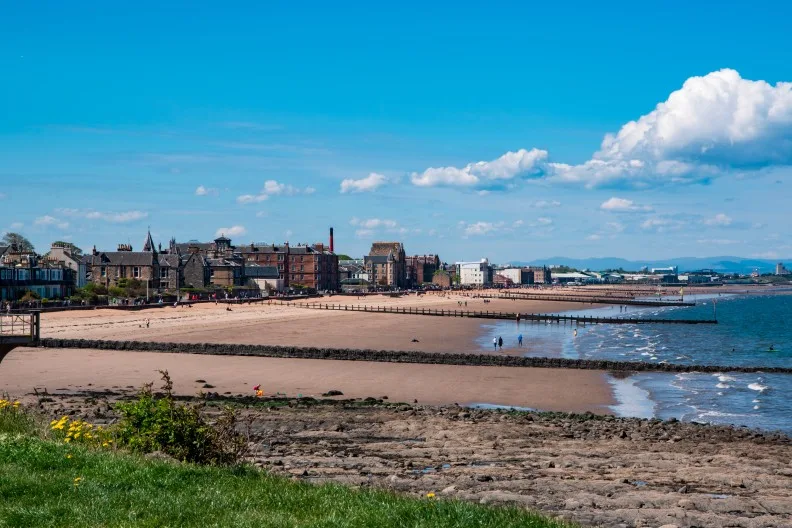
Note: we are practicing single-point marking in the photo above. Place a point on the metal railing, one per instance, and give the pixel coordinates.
(15, 325)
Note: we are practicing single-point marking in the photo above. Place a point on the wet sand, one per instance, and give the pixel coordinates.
(70, 370)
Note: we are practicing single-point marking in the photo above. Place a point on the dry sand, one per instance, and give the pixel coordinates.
(260, 323)
(70, 370)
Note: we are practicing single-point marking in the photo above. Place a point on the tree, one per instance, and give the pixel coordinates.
(344, 257)
(17, 242)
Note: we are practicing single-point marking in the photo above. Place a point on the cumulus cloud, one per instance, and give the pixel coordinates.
(273, 188)
(520, 164)
(50, 221)
(622, 205)
(367, 184)
(719, 220)
(236, 230)
(205, 191)
(368, 227)
(711, 125)
(118, 217)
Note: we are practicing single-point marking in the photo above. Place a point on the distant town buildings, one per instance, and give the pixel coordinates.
(477, 273)
(386, 265)
(781, 269)
(22, 272)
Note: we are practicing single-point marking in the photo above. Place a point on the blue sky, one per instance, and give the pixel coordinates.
(274, 122)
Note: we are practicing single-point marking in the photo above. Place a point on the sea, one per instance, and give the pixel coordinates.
(752, 330)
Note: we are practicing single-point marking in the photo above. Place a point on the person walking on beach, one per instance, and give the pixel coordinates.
(495, 343)
(519, 340)
(500, 343)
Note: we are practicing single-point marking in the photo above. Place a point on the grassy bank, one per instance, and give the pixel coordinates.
(49, 483)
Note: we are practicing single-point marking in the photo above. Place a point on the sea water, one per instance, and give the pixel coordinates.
(749, 325)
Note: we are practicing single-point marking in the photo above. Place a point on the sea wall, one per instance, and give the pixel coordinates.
(392, 356)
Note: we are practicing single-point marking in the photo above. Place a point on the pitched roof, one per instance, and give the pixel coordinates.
(170, 260)
(149, 245)
(124, 258)
(383, 248)
(261, 272)
(3, 250)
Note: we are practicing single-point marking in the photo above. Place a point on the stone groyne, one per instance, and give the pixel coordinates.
(394, 356)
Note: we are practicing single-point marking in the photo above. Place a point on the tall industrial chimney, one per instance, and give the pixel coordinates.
(332, 250)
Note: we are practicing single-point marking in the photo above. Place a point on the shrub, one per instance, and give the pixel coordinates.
(157, 423)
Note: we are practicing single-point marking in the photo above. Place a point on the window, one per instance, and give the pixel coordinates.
(103, 271)
(163, 273)
(280, 257)
(302, 268)
(136, 272)
(211, 272)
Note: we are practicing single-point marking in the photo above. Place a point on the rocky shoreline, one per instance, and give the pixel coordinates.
(595, 470)
(391, 356)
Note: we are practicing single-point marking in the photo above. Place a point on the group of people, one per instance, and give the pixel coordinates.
(497, 342)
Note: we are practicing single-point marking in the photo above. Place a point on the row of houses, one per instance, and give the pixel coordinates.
(189, 265)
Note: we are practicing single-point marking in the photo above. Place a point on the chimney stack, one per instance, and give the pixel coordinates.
(332, 249)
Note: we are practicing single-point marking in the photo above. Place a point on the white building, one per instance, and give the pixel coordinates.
(474, 273)
(513, 274)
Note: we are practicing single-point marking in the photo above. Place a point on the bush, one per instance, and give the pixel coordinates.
(30, 296)
(157, 423)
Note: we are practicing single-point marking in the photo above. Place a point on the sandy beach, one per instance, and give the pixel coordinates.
(68, 371)
(261, 323)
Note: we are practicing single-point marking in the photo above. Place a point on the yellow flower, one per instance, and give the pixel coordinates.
(77, 435)
(77, 481)
(16, 404)
(68, 456)
(67, 440)
(430, 495)
(105, 444)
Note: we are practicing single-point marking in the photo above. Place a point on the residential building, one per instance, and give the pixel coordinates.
(386, 265)
(443, 279)
(21, 272)
(475, 273)
(352, 269)
(518, 275)
(65, 254)
(421, 268)
(313, 267)
(541, 274)
(195, 270)
(107, 267)
(781, 269)
(265, 278)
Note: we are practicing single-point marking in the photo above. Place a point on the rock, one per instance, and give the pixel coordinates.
(571, 504)
(684, 489)
(669, 526)
(448, 490)
(686, 504)
(159, 455)
(484, 478)
(333, 392)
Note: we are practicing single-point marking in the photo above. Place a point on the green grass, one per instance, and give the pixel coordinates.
(37, 489)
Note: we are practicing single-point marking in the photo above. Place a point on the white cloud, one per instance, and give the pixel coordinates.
(236, 230)
(50, 221)
(363, 233)
(262, 214)
(662, 224)
(595, 236)
(772, 255)
(622, 205)
(367, 184)
(615, 227)
(273, 188)
(717, 241)
(252, 198)
(482, 228)
(719, 220)
(120, 217)
(205, 191)
(523, 163)
(17, 225)
(546, 204)
(374, 223)
(711, 125)
(517, 223)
